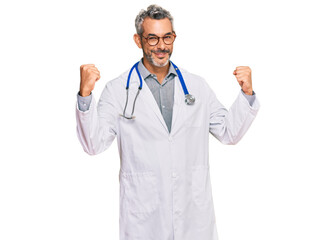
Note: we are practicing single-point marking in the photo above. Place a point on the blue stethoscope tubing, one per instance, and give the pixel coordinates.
(189, 99)
(130, 73)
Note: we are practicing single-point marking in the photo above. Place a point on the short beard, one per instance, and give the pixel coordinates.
(150, 58)
(152, 61)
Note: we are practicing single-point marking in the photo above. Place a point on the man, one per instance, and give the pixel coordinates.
(165, 189)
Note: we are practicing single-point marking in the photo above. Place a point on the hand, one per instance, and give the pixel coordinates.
(89, 75)
(243, 75)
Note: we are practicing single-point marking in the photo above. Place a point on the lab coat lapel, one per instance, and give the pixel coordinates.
(178, 101)
(150, 101)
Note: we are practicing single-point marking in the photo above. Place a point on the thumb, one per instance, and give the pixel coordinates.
(234, 72)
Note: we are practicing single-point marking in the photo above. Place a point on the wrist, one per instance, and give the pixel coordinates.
(84, 93)
(248, 92)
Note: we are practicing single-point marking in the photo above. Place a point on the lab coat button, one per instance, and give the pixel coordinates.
(170, 139)
(174, 174)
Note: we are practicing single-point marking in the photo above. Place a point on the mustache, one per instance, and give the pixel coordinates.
(160, 51)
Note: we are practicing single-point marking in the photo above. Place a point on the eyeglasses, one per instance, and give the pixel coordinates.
(153, 40)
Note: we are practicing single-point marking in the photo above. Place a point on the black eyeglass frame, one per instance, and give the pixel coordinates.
(158, 38)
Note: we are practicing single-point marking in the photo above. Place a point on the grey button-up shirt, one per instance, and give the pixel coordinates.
(163, 93)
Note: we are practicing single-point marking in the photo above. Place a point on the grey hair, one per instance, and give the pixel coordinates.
(154, 12)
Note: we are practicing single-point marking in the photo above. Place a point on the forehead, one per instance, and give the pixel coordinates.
(158, 27)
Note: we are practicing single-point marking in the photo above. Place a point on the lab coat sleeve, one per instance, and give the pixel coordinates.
(96, 127)
(229, 126)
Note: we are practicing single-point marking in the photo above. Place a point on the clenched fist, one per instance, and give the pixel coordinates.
(243, 75)
(89, 75)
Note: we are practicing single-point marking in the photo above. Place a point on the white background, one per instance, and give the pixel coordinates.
(279, 182)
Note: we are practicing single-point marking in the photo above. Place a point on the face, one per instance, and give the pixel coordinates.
(159, 54)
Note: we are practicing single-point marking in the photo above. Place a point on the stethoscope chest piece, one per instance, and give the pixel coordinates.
(189, 99)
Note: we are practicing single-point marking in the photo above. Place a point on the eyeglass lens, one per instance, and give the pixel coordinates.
(153, 40)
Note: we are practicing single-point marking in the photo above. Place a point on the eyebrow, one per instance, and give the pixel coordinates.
(151, 34)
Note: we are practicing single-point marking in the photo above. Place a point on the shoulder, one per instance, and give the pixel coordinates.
(119, 81)
(187, 74)
(193, 79)
(114, 88)
(196, 85)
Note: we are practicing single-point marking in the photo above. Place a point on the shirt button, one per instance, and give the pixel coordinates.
(163, 106)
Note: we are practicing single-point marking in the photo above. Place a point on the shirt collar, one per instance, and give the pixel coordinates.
(145, 73)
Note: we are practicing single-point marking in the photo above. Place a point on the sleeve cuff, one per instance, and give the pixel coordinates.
(250, 98)
(84, 102)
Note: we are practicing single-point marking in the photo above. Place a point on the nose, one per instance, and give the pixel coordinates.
(161, 45)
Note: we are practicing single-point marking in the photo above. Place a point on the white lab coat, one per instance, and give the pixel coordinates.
(165, 188)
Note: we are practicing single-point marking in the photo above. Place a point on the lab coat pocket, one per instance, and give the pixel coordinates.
(140, 192)
(201, 186)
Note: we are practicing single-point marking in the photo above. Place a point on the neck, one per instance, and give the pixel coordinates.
(160, 72)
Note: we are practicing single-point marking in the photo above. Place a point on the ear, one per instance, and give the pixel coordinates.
(137, 40)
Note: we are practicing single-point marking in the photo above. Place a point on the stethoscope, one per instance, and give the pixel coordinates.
(189, 99)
